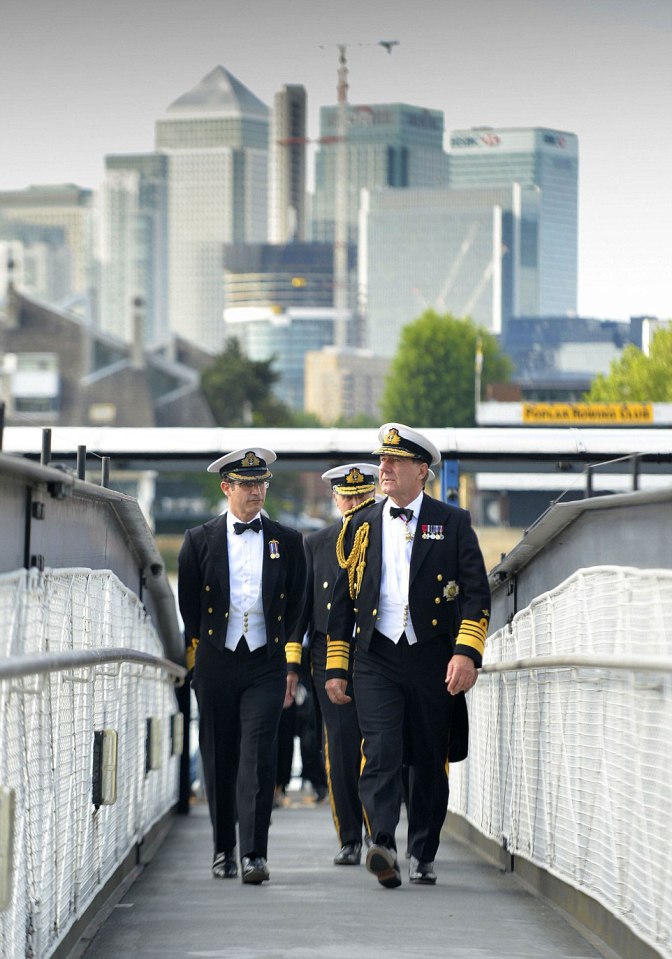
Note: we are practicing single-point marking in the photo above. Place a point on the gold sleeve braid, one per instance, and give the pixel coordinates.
(472, 633)
(293, 652)
(355, 563)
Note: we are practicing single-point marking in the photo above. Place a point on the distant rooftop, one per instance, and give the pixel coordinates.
(219, 93)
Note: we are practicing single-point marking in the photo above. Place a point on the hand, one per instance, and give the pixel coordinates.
(460, 675)
(190, 655)
(336, 691)
(290, 692)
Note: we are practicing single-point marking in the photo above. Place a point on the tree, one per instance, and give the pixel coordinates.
(357, 422)
(636, 377)
(432, 378)
(239, 390)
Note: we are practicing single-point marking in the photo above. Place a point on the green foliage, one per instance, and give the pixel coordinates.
(635, 377)
(357, 422)
(302, 418)
(432, 378)
(239, 390)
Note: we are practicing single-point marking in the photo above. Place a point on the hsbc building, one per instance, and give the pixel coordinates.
(543, 165)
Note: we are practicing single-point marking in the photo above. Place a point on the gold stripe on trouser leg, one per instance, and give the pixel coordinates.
(361, 770)
(327, 767)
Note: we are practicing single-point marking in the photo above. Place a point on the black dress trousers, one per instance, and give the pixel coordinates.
(240, 696)
(342, 750)
(404, 713)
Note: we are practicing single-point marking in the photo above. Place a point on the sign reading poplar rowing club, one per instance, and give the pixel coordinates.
(588, 414)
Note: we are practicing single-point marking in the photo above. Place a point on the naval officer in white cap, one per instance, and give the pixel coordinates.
(241, 586)
(412, 608)
(352, 488)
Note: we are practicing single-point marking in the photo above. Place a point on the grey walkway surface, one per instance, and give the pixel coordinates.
(312, 909)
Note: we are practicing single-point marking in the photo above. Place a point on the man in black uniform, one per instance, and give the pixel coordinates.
(414, 603)
(352, 487)
(241, 585)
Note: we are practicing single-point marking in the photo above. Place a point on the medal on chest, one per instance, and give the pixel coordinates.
(432, 532)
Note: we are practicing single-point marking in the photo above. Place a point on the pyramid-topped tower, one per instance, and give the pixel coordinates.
(215, 138)
(219, 111)
(221, 93)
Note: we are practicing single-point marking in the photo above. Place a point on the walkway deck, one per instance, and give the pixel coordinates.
(312, 909)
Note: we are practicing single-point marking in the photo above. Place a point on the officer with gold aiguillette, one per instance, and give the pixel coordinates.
(412, 609)
(352, 488)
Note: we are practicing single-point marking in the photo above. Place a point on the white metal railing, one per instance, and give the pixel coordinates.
(78, 654)
(570, 757)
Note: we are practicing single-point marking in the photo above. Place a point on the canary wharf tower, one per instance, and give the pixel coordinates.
(216, 139)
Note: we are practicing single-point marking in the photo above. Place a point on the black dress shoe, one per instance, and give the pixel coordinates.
(254, 870)
(421, 872)
(224, 866)
(382, 862)
(349, 855)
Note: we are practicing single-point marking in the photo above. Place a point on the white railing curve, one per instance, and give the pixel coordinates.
(571, 742)
(78, 654)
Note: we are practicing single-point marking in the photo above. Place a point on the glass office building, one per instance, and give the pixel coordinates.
(287, 166)
(134, 245)
(52, 207)
(216, 139)
(544, 161)
(280, 274)
(388, 145)
(453, 251)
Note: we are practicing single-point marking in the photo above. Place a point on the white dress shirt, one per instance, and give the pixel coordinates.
(394, 617)
(246, 612)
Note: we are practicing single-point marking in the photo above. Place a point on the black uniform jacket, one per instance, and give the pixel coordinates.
(203, 585)
(321, 572)
(449, 594)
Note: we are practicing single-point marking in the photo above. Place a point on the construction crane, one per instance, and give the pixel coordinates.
(340, 190)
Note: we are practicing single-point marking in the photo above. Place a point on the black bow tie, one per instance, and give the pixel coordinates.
(403, 511)
(255, 526)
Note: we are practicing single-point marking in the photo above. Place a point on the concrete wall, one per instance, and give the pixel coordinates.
(48, 518)
(633, 529)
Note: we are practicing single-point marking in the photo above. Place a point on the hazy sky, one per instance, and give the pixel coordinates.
(83, 78)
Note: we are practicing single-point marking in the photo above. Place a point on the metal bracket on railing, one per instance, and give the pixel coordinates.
(70, 677)
(112, 670)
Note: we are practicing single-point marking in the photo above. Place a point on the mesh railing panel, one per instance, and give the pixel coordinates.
(64, 848)
(570, 768)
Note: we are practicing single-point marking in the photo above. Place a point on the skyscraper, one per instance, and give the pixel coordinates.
(287, 168)
(280, 275)
(216, 140)
(546, 161)
(454, 251)
(133, 249)
(388, 145)
(64, 213)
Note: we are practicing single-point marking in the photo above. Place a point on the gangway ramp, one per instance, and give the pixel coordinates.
(312, 909)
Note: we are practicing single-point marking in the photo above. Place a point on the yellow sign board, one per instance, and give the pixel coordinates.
(588, 414)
